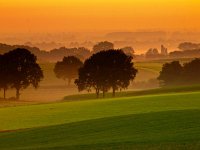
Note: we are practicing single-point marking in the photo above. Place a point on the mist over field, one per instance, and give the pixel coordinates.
(141, 41)
(100, 75)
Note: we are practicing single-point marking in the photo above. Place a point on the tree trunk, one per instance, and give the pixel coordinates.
(4, 93)
(113, 94)
(104, 93)
(65, 82)
(17, 94)
(97, 93)
(69, 82)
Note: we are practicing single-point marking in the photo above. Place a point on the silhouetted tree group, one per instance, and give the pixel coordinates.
(103, 46)
(18, 70)
(68, 68)
(105, 70)
(49, 56)
(176, 74)
(188, 46)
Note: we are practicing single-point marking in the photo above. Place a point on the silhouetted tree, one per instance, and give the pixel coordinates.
(68, 68)
(23, 68)
(105, 70)
(191, 72)
(90, 75)
(103, 46)
(171, 74)
(120, 70)
(128, 51)
(4, 75)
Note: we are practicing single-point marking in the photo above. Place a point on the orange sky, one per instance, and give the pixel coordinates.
(98, 15)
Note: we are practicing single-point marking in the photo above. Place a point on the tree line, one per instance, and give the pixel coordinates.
(104, 70)
(57, 54)
(175, 73)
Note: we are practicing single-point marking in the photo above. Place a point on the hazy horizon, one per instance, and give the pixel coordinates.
(65, 22)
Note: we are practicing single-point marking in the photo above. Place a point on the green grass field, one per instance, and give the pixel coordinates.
(152, 121)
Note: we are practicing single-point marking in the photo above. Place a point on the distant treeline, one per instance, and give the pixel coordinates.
(55, 55)
(49, 56)
(186, 50)
(175, 73)
(185, 54)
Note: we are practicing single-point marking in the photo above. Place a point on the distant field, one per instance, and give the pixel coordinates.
(156, 65)
(151, 66)
(152, 121)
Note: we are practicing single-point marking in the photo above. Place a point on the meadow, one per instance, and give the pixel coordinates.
(144, 122)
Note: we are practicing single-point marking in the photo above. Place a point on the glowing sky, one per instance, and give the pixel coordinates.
(98, 15)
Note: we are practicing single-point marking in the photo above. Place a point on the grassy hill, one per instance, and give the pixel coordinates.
(152, 121)
(168, 129)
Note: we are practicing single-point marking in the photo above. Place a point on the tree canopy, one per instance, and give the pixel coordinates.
(188, 46)
(105, 70)
(128, 50)
(170, 73)
(103, 46)
(191, 71)
(68, 68)
(176, 74)
(23, 69)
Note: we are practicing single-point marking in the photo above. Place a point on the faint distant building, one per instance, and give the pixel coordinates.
(164, 50)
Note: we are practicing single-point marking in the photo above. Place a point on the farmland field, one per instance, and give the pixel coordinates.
(157, 121)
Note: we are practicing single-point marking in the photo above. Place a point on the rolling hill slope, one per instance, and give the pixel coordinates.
(159, 121)
(168, 129)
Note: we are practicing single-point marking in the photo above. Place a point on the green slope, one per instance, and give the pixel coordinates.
(169, 129)
(162, 121)
(158, 91)
(60, 113)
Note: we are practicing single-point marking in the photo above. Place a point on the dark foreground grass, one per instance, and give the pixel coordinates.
(156, 130)
(166, 90)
